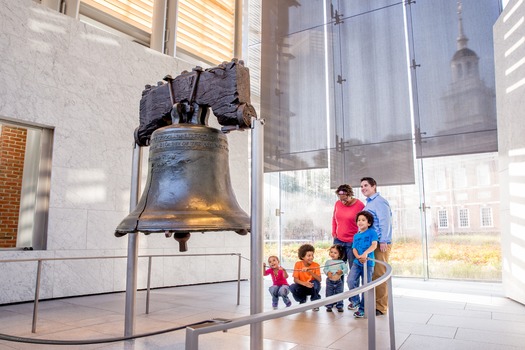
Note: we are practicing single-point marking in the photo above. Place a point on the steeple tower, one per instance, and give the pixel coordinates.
(464, 63)
(462, 38)
(469, 103)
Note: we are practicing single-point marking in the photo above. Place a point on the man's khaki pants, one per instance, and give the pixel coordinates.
(379, 270)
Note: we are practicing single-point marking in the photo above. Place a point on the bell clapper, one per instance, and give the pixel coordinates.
(182, 238)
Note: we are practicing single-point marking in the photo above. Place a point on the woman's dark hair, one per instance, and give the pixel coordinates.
(367, 215)
(345, 188)
(305, 248)
(341, 250)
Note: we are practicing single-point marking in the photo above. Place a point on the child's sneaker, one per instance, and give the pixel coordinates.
(352, 306)
(359, 314)
(340, 309)
(274, 306)
(288, 303)
(328, 309)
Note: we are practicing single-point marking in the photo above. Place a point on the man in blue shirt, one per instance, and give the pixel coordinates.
(380, 210)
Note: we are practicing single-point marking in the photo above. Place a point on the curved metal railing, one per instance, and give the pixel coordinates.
(150, 258)
(195, 330)
(193, 333)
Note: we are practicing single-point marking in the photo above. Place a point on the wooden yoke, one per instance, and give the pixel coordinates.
(187, 99)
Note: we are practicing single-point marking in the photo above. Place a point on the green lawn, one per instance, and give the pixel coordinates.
(474, 257)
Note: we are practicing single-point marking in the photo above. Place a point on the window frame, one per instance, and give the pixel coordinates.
(442, 216)
(463, 221)
(490, 216)
(166, 28)
(184, 26)
(40, 213)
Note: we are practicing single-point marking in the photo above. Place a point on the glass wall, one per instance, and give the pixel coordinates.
(298, 209)
(456, 236)
(463, 229)
(399, 91)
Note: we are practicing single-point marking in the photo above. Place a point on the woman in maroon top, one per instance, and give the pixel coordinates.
(344, 225)
(343, 221)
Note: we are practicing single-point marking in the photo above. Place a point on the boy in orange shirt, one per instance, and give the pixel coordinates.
(306, 276)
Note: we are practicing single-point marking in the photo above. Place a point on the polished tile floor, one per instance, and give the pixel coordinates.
(428, 315)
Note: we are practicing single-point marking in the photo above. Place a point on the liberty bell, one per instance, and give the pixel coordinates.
(188, 188)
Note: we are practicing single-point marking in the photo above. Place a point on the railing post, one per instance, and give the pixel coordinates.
(192, 339)
(149, 284)
(391, 314)
(370, 306)
(239, 279)
(37, 295)
(370, 303)
(363, 282)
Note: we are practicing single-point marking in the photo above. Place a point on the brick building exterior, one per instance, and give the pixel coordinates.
(12, 153)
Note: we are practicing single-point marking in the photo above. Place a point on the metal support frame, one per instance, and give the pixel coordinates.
(133, 248)
(256, 279)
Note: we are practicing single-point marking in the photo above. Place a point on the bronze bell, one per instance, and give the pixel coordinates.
(188, 187)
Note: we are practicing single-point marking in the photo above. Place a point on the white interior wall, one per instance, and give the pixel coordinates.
(87, 84)
(510, 95)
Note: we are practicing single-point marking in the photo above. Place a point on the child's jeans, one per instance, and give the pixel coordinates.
(349, 251)
(280, 291)
(354, 280)
(333, 288)
(300, 292)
